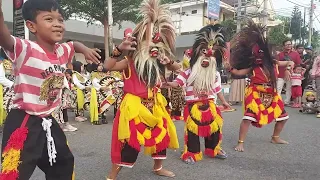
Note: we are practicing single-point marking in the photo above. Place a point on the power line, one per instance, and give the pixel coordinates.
(316, 17)
(296, 3)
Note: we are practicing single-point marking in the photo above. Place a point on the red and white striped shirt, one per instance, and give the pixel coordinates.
(296, 79)
(39, 75)
(190, 95)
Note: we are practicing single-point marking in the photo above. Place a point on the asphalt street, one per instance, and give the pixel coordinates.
(300, 160)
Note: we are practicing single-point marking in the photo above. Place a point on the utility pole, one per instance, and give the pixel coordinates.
(238, 16)
(265, 17)
(110, 21)
(180, 18)
(204, 13)
(304, 22)
(311, 23)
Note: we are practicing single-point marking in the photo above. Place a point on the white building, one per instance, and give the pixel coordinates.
(254, 9)
(191, 15)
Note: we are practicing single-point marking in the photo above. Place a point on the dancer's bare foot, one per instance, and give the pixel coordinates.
(164, 172)
(278, 140)
(239, 147)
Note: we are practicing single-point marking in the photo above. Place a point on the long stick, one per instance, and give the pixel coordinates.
(110, 21)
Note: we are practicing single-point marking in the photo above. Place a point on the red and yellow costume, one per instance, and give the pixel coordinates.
(202, 117)
(142, 119)
(250, 51)
(262, 102)
(202, 123)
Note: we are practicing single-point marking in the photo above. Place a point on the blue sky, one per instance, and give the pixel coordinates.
(285, 7)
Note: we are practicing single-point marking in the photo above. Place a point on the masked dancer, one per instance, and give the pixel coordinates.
(202, 82)
(250, 55)
(142, 119)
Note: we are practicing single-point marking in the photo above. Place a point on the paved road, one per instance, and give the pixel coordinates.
(300, 160)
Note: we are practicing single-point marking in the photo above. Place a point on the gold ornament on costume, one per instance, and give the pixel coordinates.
(7, 64)
(155, 37)
(80, 77)
(266, 99)
(98, 75)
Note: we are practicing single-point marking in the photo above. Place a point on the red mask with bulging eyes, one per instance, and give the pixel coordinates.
(257, 51)
(209, 53)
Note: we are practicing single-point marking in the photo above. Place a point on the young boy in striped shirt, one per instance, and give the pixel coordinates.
(31, 136)
(296, 88)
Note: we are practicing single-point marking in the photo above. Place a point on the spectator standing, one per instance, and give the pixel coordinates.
(315, 74)
(284, 73)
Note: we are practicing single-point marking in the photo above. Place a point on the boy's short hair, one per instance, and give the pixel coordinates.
(299, 46)
(31, 8)
(296, 66)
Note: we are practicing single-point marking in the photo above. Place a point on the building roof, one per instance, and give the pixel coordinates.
(230, 2)
(188, 3)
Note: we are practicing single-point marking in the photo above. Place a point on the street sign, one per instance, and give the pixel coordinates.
(19, 28)
(213, 9)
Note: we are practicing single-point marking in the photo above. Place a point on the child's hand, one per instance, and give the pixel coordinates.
(92, 55)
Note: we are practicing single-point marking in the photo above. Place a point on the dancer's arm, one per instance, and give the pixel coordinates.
(285, 63)
(111, 64)
(223, 100)
(170, 84)
(180, 80)
(240, 72)
(173, 66)
(237, 72)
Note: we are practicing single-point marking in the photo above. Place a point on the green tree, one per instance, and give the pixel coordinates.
(96, 10)
(231, 28)
(285, 24)
(276, 35)
(296, 24)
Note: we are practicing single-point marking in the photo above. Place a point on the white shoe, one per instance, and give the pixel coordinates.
(80, 119)
(68, 128)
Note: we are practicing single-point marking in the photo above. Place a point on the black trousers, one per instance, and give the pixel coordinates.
(65, 115)
(34, 152)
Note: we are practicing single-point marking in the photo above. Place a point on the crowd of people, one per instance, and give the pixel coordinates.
(40, 82)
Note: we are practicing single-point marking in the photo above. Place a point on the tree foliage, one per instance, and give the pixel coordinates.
(276, 35)
(96, 10)
(296, 23)
(231, 28)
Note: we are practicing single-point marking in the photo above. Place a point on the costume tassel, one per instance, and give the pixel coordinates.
(11, 154)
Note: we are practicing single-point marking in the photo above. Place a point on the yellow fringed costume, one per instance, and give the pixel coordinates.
(262, 103)
(202, 123)
(142, 119)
